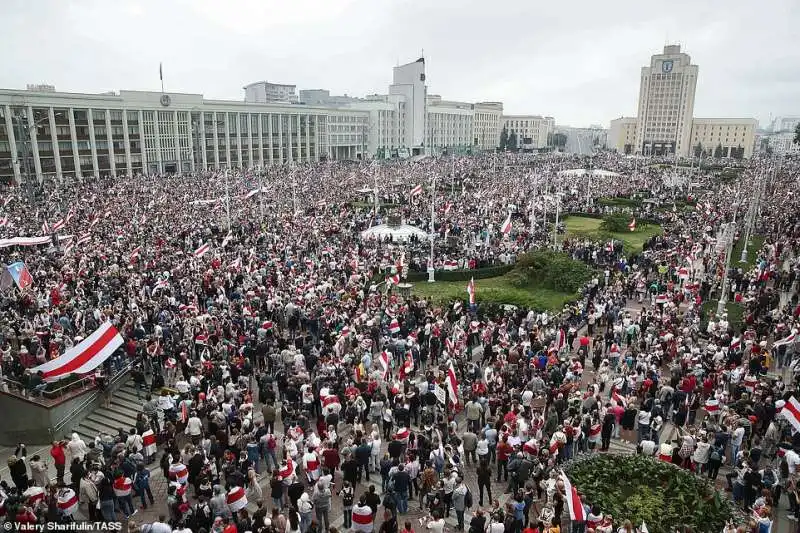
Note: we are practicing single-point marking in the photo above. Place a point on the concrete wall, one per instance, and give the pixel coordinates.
(22, 420)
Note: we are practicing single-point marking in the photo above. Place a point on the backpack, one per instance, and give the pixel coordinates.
(715, 455)
(468, 499)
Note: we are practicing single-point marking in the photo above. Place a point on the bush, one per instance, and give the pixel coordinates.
(639, 488)
(551, 270)
(620, 201)
(615, 223)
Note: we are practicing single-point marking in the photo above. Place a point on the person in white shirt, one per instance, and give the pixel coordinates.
(736, 443)
(194, 426)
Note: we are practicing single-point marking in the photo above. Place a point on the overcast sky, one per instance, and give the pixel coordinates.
(577, 61)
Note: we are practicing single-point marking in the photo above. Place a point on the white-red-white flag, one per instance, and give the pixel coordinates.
(506, 227)
(201, 251)
(85, 356)
(632, 224)
(791, 412)
(452, 384)
(577, 513)
(417, 190)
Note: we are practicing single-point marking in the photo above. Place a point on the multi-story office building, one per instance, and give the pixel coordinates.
(410, 92)
(780, 124)
(665, 123)
(264, 92)
(70, 134)
(487, 125)
(450, 126)
(47, 133)
(666, 103)
(723, 137)
(622, 135)
(532, 130)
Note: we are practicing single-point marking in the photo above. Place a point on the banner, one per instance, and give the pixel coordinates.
(30, 241)
(84, 357)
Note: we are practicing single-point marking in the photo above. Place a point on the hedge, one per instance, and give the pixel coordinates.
(461, 275)
(600, 216)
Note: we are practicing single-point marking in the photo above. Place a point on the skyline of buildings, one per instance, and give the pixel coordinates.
(665, 123)
(44, 132)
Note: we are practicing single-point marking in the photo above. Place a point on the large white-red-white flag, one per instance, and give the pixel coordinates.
(506, 227)
(577, 513)
(452, 384)
(791, 412)
(84, 357)
(786, 340)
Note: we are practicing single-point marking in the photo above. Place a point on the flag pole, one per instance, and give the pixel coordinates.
(161, 75)
(227, 200)
(433, 230)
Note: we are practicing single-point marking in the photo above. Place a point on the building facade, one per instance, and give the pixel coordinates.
(781, 124)
(532, 131)
(487, 125)
(264, 92)
(70, 134)
(450, 126)
(622, 135)
(778, 143)
(666, 103)
(408, 89)
(730, 137)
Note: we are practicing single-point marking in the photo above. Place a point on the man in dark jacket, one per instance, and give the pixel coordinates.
(363, 454)
(401, 481)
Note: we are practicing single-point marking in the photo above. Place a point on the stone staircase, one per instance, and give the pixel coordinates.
(121, 413)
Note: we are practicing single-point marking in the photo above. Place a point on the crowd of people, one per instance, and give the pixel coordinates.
(283, 374)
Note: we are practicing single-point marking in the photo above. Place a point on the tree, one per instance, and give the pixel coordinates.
(698, 150)
(738, 152)
(504, 138)
(718, 151)
(559, 140)
(797, 134)
(512, 141)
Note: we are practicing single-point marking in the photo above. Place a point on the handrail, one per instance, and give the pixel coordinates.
(58, 426)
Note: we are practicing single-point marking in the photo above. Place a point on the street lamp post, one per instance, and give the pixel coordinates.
(433, 231)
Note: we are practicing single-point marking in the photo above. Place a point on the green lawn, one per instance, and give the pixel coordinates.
(632, 240)
(735, 312)
(756, 242)
(495, 290)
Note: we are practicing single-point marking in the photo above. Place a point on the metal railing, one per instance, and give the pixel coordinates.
(47, 397)
(75, 411)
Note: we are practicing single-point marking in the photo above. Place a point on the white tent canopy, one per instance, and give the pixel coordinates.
(399, 233)
(583, 172)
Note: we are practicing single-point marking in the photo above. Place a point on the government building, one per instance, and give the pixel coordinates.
(45, 133)
(665, 123)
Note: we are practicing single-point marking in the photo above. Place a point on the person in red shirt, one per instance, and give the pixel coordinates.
(504, 451)
(59, 459)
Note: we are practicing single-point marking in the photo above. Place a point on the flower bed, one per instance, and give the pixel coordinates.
(644, 489)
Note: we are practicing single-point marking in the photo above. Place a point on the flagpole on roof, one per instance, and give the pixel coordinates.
(161, 75)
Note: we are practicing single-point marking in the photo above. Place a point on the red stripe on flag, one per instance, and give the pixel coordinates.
(85, 356)
(791, 408)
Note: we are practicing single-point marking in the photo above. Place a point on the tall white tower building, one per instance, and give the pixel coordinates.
(408, 89)
(666, 104)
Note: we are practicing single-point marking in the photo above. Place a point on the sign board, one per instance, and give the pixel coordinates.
(440, 395)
